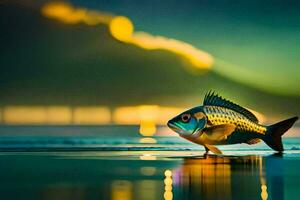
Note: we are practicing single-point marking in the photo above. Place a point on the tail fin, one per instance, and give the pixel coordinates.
(275, 131)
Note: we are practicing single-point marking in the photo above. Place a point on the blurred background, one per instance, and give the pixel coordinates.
(86, 89)
(141, 62)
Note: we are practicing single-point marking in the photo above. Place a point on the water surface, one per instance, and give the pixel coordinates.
(89, 165)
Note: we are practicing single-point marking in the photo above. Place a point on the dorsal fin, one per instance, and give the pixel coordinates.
(212, 99)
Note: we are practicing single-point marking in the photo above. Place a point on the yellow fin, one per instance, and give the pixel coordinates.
(213, 149)
(219, 132)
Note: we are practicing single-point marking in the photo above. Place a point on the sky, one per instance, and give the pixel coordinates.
(255, 42)
(254, 46)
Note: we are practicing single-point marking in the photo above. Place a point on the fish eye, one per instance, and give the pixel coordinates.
(185, 118)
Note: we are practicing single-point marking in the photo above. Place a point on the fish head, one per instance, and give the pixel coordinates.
(188, 122)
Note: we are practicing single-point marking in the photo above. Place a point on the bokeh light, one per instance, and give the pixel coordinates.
(168, 194)
(121, 28)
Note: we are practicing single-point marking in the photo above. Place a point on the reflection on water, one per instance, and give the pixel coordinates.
(247, 177)
(144, 176)
(147, 156)
(208, 178)
(121, 189)
(168, 195)
(147, 140)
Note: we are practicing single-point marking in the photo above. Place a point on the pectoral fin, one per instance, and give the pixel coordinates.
(219, 132)
(213, 149)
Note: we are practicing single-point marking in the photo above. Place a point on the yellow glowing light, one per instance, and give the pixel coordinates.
(145, 115)
(56, 9)
(264, 193)
(121, 28)
(197, 57)
(58, 115)
(92, 115)
(168, 187)
(147, 157)
(168, 173)
(147, 128)
(126, 115)
(148, 140)
(148, 112)
(168, 181)
(68, 14)
(168, 195)
(64, 12)
(24, 115)
(93, 18)
(136, 114)
(121, 189)
(148, 115)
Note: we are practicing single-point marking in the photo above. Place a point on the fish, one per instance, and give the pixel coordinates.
(221, 122)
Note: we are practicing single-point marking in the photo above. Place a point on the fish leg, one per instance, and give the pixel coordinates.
(206, 152)
(212, 148)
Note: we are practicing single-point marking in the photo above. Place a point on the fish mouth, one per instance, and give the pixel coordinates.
(174, 127)
(171, 125)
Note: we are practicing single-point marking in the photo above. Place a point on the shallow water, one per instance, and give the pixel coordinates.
(147, 175)
(93, 166)
(110, 138)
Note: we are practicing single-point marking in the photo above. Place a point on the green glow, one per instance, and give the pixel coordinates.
(259, 78)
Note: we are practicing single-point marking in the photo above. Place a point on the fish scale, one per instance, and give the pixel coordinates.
(218, 115)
